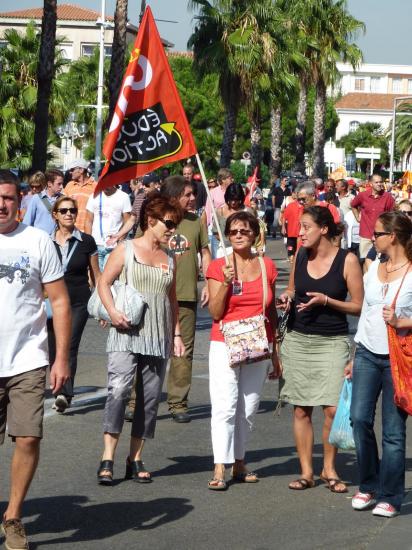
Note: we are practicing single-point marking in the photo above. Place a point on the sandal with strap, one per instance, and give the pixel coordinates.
(302, 484)
(246, 477)
(105, 479)
(134, 468)
(331, 483)
(217, 484)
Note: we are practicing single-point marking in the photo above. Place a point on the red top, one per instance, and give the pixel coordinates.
(293, 213)
(371, 208)
(249, 303)
(291, 216)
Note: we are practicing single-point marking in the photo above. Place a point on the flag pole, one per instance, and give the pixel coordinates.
(214, 213)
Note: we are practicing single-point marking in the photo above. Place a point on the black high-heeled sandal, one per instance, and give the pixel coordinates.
(105, 479)
(133, 468)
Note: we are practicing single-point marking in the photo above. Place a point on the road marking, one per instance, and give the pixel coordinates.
(86, 399)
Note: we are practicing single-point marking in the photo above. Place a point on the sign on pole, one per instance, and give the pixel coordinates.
(371, 153)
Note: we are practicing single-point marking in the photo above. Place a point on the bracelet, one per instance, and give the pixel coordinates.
(177, 336)
(326, 300)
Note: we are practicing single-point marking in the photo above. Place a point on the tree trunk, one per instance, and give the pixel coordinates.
(229, 131)
(255, 141)
(117, 65)
(275, 141)
(319, 130)
(45, 75)
(300, 132)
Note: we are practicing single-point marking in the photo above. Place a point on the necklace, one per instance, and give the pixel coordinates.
(385, 285)
(243, 266)
(396, 269)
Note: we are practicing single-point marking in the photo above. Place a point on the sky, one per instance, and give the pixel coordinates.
(388, 23)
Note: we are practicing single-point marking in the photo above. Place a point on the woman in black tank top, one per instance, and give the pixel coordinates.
(315, 351)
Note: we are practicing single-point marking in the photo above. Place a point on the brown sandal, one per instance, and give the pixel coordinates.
(331, 483)
(302, 484)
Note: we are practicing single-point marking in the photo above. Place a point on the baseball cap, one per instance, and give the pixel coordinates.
(149, 178)
(78, 163)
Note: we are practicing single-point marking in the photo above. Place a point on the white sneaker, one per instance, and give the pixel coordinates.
(61, 403)
(363, 501)
(385, 510)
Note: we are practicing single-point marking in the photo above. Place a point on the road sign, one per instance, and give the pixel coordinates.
(369, 150)
(368, 156)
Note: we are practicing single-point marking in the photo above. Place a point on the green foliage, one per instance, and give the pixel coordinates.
(203, 108)
(18, 96)
(368, 134)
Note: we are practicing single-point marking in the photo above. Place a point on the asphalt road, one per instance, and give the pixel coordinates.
(67, 509)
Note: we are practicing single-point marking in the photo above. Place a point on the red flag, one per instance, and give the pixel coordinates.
(149, 127)
(251, 188)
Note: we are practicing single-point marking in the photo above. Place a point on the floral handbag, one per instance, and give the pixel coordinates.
(246, 340)
(400, 353)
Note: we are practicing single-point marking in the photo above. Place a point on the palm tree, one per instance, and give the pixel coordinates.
(18, 96)
(117, 63)
(263, 58)
(212, 51)
(45, 75)
(332, 29)
(403, 132)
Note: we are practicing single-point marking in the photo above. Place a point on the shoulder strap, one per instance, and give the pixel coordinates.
(128, 261)
(47, 204)
(400, 286)
(264, 282)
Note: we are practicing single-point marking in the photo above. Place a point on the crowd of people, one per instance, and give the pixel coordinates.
(160, 235)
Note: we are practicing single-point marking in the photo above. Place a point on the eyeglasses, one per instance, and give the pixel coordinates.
(170, 224)
(243, 232)
(65, 210)
(377, 234)
(301, 199)
(407, 212)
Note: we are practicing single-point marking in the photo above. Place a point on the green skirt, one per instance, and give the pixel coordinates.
(313, 368)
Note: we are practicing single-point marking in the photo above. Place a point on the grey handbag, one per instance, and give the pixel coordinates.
(126, 298)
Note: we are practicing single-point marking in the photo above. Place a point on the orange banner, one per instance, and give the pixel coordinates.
(149, 127)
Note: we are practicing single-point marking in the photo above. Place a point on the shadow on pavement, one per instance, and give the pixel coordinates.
(92, 522)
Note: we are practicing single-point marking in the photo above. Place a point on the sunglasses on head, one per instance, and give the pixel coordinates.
(243, 232)
(170, 224)
(65, 210)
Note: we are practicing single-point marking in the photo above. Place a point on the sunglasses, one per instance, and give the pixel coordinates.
(35, 186)
(301, 199)
(170, 224)
(243, 232)
(377, 234)
(407, 212)
(65, 210)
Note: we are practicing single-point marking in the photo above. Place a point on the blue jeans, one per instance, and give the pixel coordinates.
(103, 254)
(214, 245)
(385, 477)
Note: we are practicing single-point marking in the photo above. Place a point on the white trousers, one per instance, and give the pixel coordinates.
(234, 396)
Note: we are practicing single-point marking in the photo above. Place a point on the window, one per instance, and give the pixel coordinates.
(67, 51)
(410, 86)
(359, 84)
(375, 84)
(87, 50)
(396, 85)
(353, 125)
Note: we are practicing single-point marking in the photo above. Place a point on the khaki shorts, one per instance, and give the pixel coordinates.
(364, 247)
(22, 404)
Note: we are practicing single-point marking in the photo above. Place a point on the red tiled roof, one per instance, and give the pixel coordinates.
(373, 102)
(65, 12)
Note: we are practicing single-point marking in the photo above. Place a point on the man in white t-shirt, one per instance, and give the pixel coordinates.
(29, 266)
(105, 216)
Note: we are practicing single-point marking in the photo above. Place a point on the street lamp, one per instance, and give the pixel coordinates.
(392, 144)
(69, 132)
